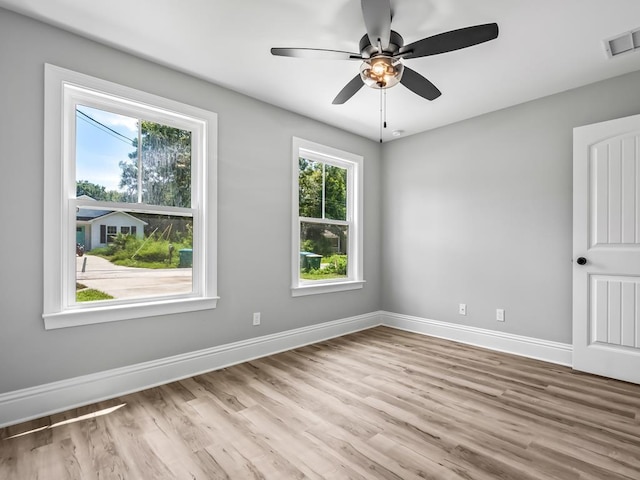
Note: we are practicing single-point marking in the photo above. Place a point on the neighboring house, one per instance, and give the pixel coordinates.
(335, 240)
(96, 227)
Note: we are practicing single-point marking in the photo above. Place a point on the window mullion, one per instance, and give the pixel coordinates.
(139, 160)
(324, 191)
(134, 207)
(324, 221)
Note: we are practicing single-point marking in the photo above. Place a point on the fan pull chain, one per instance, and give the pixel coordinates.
(383, 111)
(385, 108)
(381, 120)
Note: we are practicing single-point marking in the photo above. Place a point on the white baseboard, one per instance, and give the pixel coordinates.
(553, 352)
(29, 403)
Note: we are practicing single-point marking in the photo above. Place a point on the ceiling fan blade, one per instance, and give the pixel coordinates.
(419, 85)
(377, 19)
(315, 53)
(349, 90)
(450, 41)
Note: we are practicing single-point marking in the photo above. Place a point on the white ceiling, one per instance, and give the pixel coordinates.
(544, 47)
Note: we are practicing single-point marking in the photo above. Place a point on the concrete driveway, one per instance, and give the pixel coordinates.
(129, 282)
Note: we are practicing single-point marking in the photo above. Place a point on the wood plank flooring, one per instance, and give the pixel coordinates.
(378, 404)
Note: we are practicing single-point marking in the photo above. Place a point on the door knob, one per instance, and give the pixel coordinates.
(581, 261)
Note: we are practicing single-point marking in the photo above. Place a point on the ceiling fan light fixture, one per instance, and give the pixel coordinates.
(381, 72)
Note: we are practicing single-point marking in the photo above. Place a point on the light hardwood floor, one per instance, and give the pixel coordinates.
(376, 404)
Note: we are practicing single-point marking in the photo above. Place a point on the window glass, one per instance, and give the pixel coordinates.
(104, 141)
(322, 190)
(309, 188)
(133, 265)
(323, 252)
(335, 192)
(111, 168)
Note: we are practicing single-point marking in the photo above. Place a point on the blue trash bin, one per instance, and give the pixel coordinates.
(303, 260)
(186, 258)
(313, 261)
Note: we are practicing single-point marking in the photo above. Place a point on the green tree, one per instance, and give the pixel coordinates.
(97, 192)
(309, 188)
(335, 188)
(320, 183)
(166, 166)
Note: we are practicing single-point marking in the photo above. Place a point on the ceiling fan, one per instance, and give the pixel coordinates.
(382, 52)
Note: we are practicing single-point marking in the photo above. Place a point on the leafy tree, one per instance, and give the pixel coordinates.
(166, 166)
(97, 192)
(335, 193)
(309, 188)
(317, 182)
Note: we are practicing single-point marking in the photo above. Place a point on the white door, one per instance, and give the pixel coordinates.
(606, 235)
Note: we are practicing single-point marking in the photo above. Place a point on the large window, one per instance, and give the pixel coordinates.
(130, 213)
(327, 219)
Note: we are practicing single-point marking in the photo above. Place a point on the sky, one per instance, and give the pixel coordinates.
(103, 139)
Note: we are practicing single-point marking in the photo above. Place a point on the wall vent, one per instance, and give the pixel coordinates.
(623, 43)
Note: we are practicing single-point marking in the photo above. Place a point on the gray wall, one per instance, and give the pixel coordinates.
(480, 212)
(254, 216)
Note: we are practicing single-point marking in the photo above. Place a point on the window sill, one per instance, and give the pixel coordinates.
(114, 313)
(314, 289)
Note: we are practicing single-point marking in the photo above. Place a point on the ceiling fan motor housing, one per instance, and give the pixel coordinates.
(395, 43)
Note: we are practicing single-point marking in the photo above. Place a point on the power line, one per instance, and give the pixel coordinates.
(117, 137)
(92, 121)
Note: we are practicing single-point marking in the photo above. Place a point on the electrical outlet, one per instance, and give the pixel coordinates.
(500, 314)
(256, 318)
(462, 309)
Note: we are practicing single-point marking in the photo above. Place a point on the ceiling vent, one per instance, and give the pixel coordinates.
(623, 43)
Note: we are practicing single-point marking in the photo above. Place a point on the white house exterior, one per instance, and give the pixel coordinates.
(95, 227)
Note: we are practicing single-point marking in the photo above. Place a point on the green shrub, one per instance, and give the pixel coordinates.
(155, 252)
(335, 264)
(130, 251)
(307, 246)
(103, 251)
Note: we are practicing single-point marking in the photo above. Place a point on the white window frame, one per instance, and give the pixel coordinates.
(64, 89)
(354, 165)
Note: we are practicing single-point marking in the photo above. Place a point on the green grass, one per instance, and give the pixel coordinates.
(91, 295)
(319, 275)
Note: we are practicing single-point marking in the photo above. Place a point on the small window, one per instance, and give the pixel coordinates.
(327, 220)
(111, 233)
(134, 175)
